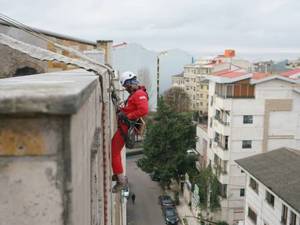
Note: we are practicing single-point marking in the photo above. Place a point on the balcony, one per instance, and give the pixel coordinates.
(222, 103)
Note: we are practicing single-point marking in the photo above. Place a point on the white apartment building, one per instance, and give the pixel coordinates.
(194, 78)
(272, 191)
(248, 114)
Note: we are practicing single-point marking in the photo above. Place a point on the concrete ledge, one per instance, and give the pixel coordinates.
(49, 93)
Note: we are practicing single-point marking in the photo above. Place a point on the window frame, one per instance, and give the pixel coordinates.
(253, 213)
(245, 146)
(253, 184)
(270, 198)
(242, 192)
(245, 121)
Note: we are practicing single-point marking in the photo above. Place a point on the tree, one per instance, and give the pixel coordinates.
(168, 136)
(207, 181)
(178, 99)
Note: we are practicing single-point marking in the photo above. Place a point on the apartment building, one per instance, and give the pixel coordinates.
(194, 77)
(272, 191)
(248, 114)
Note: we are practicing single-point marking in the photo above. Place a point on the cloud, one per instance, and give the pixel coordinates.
(194, 25)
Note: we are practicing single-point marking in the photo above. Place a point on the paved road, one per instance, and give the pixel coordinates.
(146, 210)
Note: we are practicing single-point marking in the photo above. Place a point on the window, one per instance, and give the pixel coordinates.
(223, 190)
(252, 215)
(247, 144)
(293, 218)
(242, 192)
(253, 184)
(284, 213)
(270, 198)
(247, 119)
(201, 95)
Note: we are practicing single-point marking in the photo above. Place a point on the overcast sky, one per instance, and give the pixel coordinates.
(249, 26)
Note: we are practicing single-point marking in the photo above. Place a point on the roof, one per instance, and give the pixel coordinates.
(123, 44)
(279, 171)
(53, 34)
(230, 76)
(259, 75)
(230, 73)
(178, 75)
(291, 73)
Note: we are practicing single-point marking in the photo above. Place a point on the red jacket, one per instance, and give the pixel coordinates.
(136, 105)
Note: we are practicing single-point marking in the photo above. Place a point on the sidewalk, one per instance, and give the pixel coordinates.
(185, 212)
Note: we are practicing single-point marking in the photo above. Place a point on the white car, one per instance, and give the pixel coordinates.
(125, 192)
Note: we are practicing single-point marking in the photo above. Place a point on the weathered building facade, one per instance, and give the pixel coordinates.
(55, 135)
(14, 63)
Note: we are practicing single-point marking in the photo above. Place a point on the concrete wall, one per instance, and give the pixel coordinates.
(12, 60)
(266, 214)
(55, 150)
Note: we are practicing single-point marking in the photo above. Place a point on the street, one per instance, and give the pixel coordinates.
(146, 210)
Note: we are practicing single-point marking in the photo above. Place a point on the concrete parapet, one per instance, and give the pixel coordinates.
(52, 164)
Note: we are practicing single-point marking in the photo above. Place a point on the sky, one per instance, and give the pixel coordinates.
(197, 26)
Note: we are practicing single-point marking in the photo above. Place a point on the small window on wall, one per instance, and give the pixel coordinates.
(270, 198)
(253, 184)
(252, 215)
(293, 218)
(247, 144)
(242, 192)
(247, 119)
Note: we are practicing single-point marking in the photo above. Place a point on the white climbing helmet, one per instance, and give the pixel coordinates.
(126, 76)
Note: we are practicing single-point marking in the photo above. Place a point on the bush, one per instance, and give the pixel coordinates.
(222, 223)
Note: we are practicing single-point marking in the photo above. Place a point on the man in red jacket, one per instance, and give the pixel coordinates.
(136, 106)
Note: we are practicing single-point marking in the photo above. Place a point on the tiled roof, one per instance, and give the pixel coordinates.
(258, 75)
(291, 72)
(279, 171)
(230, 73)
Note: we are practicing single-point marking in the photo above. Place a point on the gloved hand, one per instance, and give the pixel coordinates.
(121, 116)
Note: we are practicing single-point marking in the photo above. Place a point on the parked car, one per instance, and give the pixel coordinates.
(126, 192)
(165, 200)
(170, 215)
(155, 176)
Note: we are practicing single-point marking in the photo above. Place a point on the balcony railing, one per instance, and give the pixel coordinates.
(225, 123)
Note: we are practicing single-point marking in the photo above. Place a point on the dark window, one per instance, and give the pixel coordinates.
(252, 215)
(223, 190)
(247, 119)
(247, 144)
(293, 218)
(284, 214)
(254, 185)
(270, 198)
(25, 71)
(242, 192)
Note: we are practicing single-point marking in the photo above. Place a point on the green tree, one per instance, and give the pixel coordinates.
(169, 134)
(178, 99)
(207, 181)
